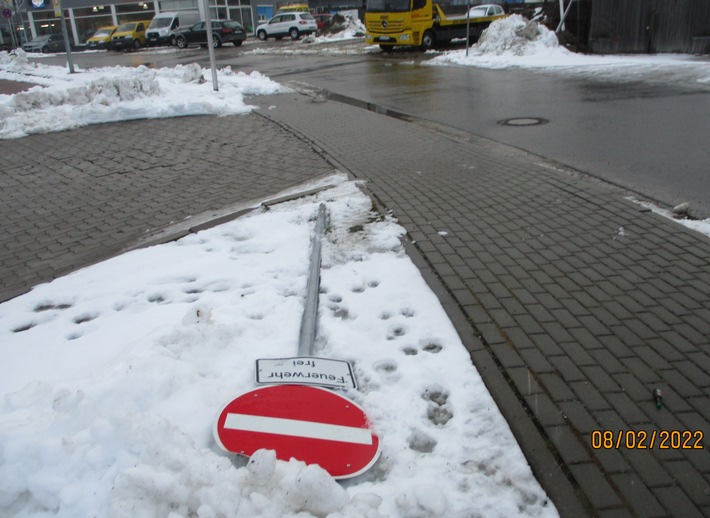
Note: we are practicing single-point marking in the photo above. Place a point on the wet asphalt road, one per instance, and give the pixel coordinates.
(647, 135)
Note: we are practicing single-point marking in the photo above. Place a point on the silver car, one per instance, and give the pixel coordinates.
(45, 43)
(293, 24)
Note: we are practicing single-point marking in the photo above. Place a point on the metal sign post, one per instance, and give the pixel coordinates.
(468, 26)
(309, 321)
(58, 11)
(293, 415)
(210, 46)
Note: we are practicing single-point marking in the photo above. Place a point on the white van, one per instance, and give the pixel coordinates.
(163, 26)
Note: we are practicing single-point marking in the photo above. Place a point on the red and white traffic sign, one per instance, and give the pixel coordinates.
(307, 423)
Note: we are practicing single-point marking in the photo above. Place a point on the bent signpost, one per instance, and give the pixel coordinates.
(293, 415)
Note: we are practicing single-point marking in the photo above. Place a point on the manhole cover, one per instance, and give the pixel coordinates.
(523, 121)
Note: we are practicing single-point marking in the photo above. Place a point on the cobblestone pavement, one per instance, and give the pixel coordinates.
(75, 197)
(575, 303)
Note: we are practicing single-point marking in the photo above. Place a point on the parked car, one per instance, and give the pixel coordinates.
(290, 8)
(484, 10)
(293, 24)
(101, 38)
(223, 31)
(130, 35)
(323, 20)
(163, 27)
(45, 44)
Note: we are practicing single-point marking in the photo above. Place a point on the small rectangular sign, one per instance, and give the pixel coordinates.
(306, 371)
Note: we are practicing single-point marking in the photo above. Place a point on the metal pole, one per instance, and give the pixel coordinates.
(309, 322)
(468, 25)
(562, 16)
(65, 35)
(561, 26)
(11, 31)
(210, 46)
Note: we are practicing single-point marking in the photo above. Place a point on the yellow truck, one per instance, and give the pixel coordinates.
(423, 23)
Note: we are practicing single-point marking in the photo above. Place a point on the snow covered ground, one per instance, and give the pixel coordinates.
(111, 381)
(515, 42)
(112, 377)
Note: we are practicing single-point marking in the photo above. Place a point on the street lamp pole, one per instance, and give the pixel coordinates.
(58, 11)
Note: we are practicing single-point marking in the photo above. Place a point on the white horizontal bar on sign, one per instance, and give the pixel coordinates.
(295, 428)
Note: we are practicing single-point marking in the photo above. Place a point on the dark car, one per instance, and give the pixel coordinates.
(45, 43)
(223, 31)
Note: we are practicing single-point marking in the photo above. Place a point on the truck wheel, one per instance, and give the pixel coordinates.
(475, 34)
(428, 40)
(136, 44)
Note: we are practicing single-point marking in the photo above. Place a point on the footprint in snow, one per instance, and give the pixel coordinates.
(438, 411)
(421, 442)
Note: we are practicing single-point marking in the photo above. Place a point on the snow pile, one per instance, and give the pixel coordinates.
(118, 93)
(342, 27)
(515, 42)
(511, 41)
(517, 36)
(112, 378)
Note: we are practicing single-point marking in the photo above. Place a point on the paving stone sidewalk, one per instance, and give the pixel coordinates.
(574, 302)
(72, 198)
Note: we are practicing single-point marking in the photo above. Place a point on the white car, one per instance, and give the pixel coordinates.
(287, 24)
(481, 11)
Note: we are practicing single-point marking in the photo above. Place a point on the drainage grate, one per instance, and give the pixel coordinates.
(523, 121)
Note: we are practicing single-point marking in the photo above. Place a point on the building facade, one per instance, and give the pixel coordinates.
(32, 18)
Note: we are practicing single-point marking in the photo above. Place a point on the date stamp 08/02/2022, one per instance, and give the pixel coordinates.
(643, 440)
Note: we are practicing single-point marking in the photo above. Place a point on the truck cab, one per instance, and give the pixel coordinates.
(419, 23)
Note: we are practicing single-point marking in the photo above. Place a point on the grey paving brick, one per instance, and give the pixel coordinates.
(694, 484)
(601, 378)
(630, 412)
(535, 360)
(524, 380)
(578, 353)
(647, 467)
(677, 502)
(566, 368)
(595, 485)
(641, 498)
(680, 383)
(545, 410)
(607, 360)
(615, 513)
(610, 459)
(507, 355)
(590, 395)
(571, 447)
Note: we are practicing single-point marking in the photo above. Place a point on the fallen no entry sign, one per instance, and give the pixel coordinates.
(307, 423)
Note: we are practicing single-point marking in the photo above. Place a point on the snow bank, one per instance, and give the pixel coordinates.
(515, 42)
(118, 93)
(342, 28)
(110, 381)
(517, 36)
(511, 41)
